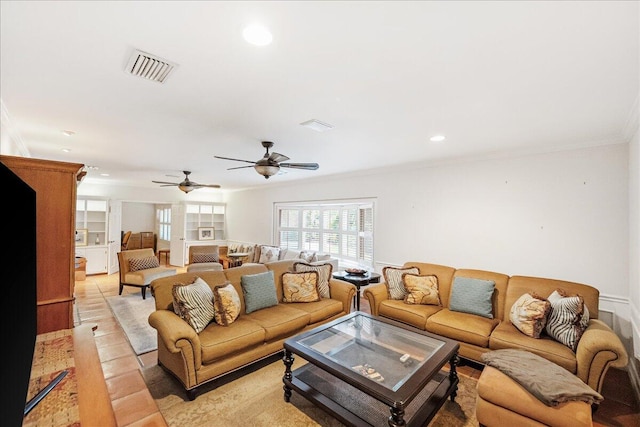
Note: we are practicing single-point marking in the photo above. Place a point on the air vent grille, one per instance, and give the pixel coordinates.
(149, 67)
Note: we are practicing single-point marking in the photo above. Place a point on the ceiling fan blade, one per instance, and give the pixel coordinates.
(240, 167)
(307, 166)
(169, 185)
(164, 182)
(208, 185)
(235, 160)
(277, 157)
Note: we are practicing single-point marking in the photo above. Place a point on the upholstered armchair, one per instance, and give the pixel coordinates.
(138, 267)
(204, 258)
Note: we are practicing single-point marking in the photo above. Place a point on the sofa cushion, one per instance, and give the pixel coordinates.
(136, 264)
(300, 287)
(227, 304)
(415, 315)
(268, 254)
(324, 275)
(529, 314)
(320, 310)
(220, 342)
(464, 327)
(421, 289)
(280, 321)
(393, 278)
(474, 296)
(145, 277)
(259, 291)
(289, 254)
(505, 335)
(568, 319)
(193, 302)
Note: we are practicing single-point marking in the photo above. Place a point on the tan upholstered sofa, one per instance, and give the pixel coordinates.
(197, 358)
(140, 278)
(598, 349)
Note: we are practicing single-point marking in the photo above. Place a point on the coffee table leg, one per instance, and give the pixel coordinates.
(397, 417)
(288, 376)
(453, 374)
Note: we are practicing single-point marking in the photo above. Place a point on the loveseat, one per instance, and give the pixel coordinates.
(598, 348)
(196, 358)
(261, 253)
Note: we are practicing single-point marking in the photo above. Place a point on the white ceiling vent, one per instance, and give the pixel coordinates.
(317, 125)
(149, 66)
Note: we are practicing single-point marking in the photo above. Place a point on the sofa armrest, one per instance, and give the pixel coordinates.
(375, 295)
(176, 333)
(598, 350)
(343, 292)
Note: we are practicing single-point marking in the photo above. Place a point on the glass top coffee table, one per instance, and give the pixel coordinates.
(368, 371)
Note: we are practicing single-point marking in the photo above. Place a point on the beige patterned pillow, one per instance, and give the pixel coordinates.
(227, 303)
(421, 289)
(203, 257)
(136, 264)
(324, 275)
(193, 302)
(307, 256)
(393, 278)
(300, 287)
(268, 254)
(529, 314)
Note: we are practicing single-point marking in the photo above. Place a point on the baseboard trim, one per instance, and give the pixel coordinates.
(634, 376)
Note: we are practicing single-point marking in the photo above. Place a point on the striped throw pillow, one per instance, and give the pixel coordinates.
(324, 275)
(194, 303)
(568, 319)
(136, 264)
(393, 278)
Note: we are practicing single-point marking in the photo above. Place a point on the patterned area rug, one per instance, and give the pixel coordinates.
(132, 313)
(53, 354)
(256, 399)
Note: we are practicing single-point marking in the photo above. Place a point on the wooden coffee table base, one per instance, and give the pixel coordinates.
(356, 408)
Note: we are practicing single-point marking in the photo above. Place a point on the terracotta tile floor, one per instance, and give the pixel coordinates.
(134, 407)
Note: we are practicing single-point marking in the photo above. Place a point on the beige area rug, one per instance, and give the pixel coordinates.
(256, 399)
(132, 313)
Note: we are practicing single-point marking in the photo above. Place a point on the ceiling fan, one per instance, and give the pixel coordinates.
(187, 185)
(270, 164)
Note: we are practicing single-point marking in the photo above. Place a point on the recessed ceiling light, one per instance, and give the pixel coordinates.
(68, 133)
(104, 174)
(437, 138)
(66, 150)
(257, 35)
(93, 168)
(317, 125)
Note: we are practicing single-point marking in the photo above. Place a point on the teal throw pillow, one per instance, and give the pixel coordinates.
(473, 296)
(259, 291)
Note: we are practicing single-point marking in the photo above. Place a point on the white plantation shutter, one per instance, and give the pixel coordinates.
(343, 229)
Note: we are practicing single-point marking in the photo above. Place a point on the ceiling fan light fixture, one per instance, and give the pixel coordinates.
(186, 188)
(267, 170)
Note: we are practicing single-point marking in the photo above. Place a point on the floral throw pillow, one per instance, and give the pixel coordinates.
(393, 278)
(529, 314)
(324, 275)
(568, 319)
(227, 304)
(269, 254)
(421, 289)
(300, 287)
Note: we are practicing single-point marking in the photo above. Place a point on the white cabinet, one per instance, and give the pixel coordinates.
(205, 216)
(92, 216)
(186, 222)
(96, 257)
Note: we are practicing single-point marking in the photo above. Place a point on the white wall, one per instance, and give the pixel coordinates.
(138, 217)
(561, 215)
(634, 244)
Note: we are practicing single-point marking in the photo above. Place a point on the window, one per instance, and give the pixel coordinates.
(163, 221)
(342, 229)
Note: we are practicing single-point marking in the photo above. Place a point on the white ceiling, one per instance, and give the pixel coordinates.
(493, 77)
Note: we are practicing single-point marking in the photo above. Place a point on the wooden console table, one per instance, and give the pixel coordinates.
(82, 397)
